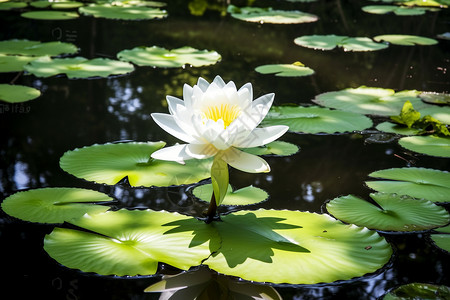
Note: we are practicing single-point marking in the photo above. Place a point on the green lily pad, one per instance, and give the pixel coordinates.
(397, 129)
(286, 70)
(163, 58)
(430, 145)
(122, 12)
(269, 15)
(316, 119)
(12, 5)
(14, 63)
(405, 40)
(429, 3)
(329, 42)
(397, 10)
(244, 196)
(442, 241)
(440, 113)
(278, 148)
(132, 243)
(430, 184)
(78, 67)
(295, 247)
(49, 15)
(17, 93)
(392, 212)
(370, 100)
(54, 205)
(36, 48)
(110, 163)
(435, 98)
(445, 229)
(419, 291)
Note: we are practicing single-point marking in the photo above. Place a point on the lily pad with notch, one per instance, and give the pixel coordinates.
(315, 119)
(329, 42)
(430, 184)
(296, 69)
(244, 196)
(17, 93)
(164, 58)
(429, 145)
(54, 205)
(269, 15)
(122, 12)
(111, 163)
(392, 212)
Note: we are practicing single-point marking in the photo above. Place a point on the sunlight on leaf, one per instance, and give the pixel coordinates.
(122, 12)
(296, 69)
(17, 93)
(397, 10)
(405, 40)
(49, 15)
(14, 63)
(278, 148)
(244, 196)
(269, 15)
(430, 145)
(397, 129)
(36, 48)
(435, 98)
(329, 42)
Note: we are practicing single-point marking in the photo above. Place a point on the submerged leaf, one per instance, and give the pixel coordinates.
(430, 145)
(17, 93)
(244, 196)
(393, 213)
(268, 15)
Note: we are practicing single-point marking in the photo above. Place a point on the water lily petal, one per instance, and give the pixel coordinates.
(201, 151)
(202, 84)
(244, 161)
(173, 102)
(245, 94)
(173, 153)
(169, 124)
(261, 136)
(219, 81)
(188, 91)
(261, 106)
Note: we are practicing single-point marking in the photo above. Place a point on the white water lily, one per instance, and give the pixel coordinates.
(216, 120)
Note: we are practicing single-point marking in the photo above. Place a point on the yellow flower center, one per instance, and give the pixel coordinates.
(226, 112)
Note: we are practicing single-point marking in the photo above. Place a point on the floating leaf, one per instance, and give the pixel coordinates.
(405, 40)
(295, 247)
(54, 205)
(440, 113)
(392, 212)
(274, 148)
(36, 48)
(430, 145)
(370, 100)
(110, 163)
(329, 42)
(439, 3)
(419, 291)
(286, 70)
(398, 10)
(132, 243)
(397, 129)
(78, 67)
(435, 98)
(122, 12)
(442, 241)
(244, 196)
(12, 5)
(17, 93)
(316, 119)
(163, 58)
(268, 15)
(49, 15)
(430, 184)
(14, 63)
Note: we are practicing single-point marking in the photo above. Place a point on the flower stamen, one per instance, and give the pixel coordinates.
(225, 112)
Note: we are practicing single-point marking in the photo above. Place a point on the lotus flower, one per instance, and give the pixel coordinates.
(217, 119)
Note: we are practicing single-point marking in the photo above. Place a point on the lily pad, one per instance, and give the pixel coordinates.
(132, 243)
(397, 129)
(370, 100)
(163, 58)
(405, 40)
(392, 212)
(435, 98)
(12, 5)
(316, 119)
(54, 205)
(78, 67)
(110, 163)
(49, 15)
(442, 241)
(269, 15)
(17, 93)
(430, 184)
(278, 148)
(36, 48)
(286, 70)
(122, 12)
(295, 247)
(14, 63)
(244, 196)
(397, 10)
(419, 291)
(430, 145)
(329, 42)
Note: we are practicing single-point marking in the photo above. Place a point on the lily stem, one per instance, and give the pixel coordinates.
(211, 212)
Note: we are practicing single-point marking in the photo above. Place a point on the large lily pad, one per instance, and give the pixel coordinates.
(17, 93)
(278, 148)
(397, 129)
(49, 15)
(36, 48)
(430, 184)
(316, 119)
(392, 212)
(296, 69)
(54, 205)
(163, 58)
(405, 40)
(131, 243)
(329, 42)
(110, 163)
(295, 247)
(78, 67)
(122, 12)
(14, 63)
(244, 196)
(430, 145)
(269, 15)
(370, 100)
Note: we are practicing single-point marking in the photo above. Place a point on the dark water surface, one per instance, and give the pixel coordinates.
(76, 113)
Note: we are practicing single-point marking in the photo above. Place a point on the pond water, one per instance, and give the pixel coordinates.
(75, 113)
